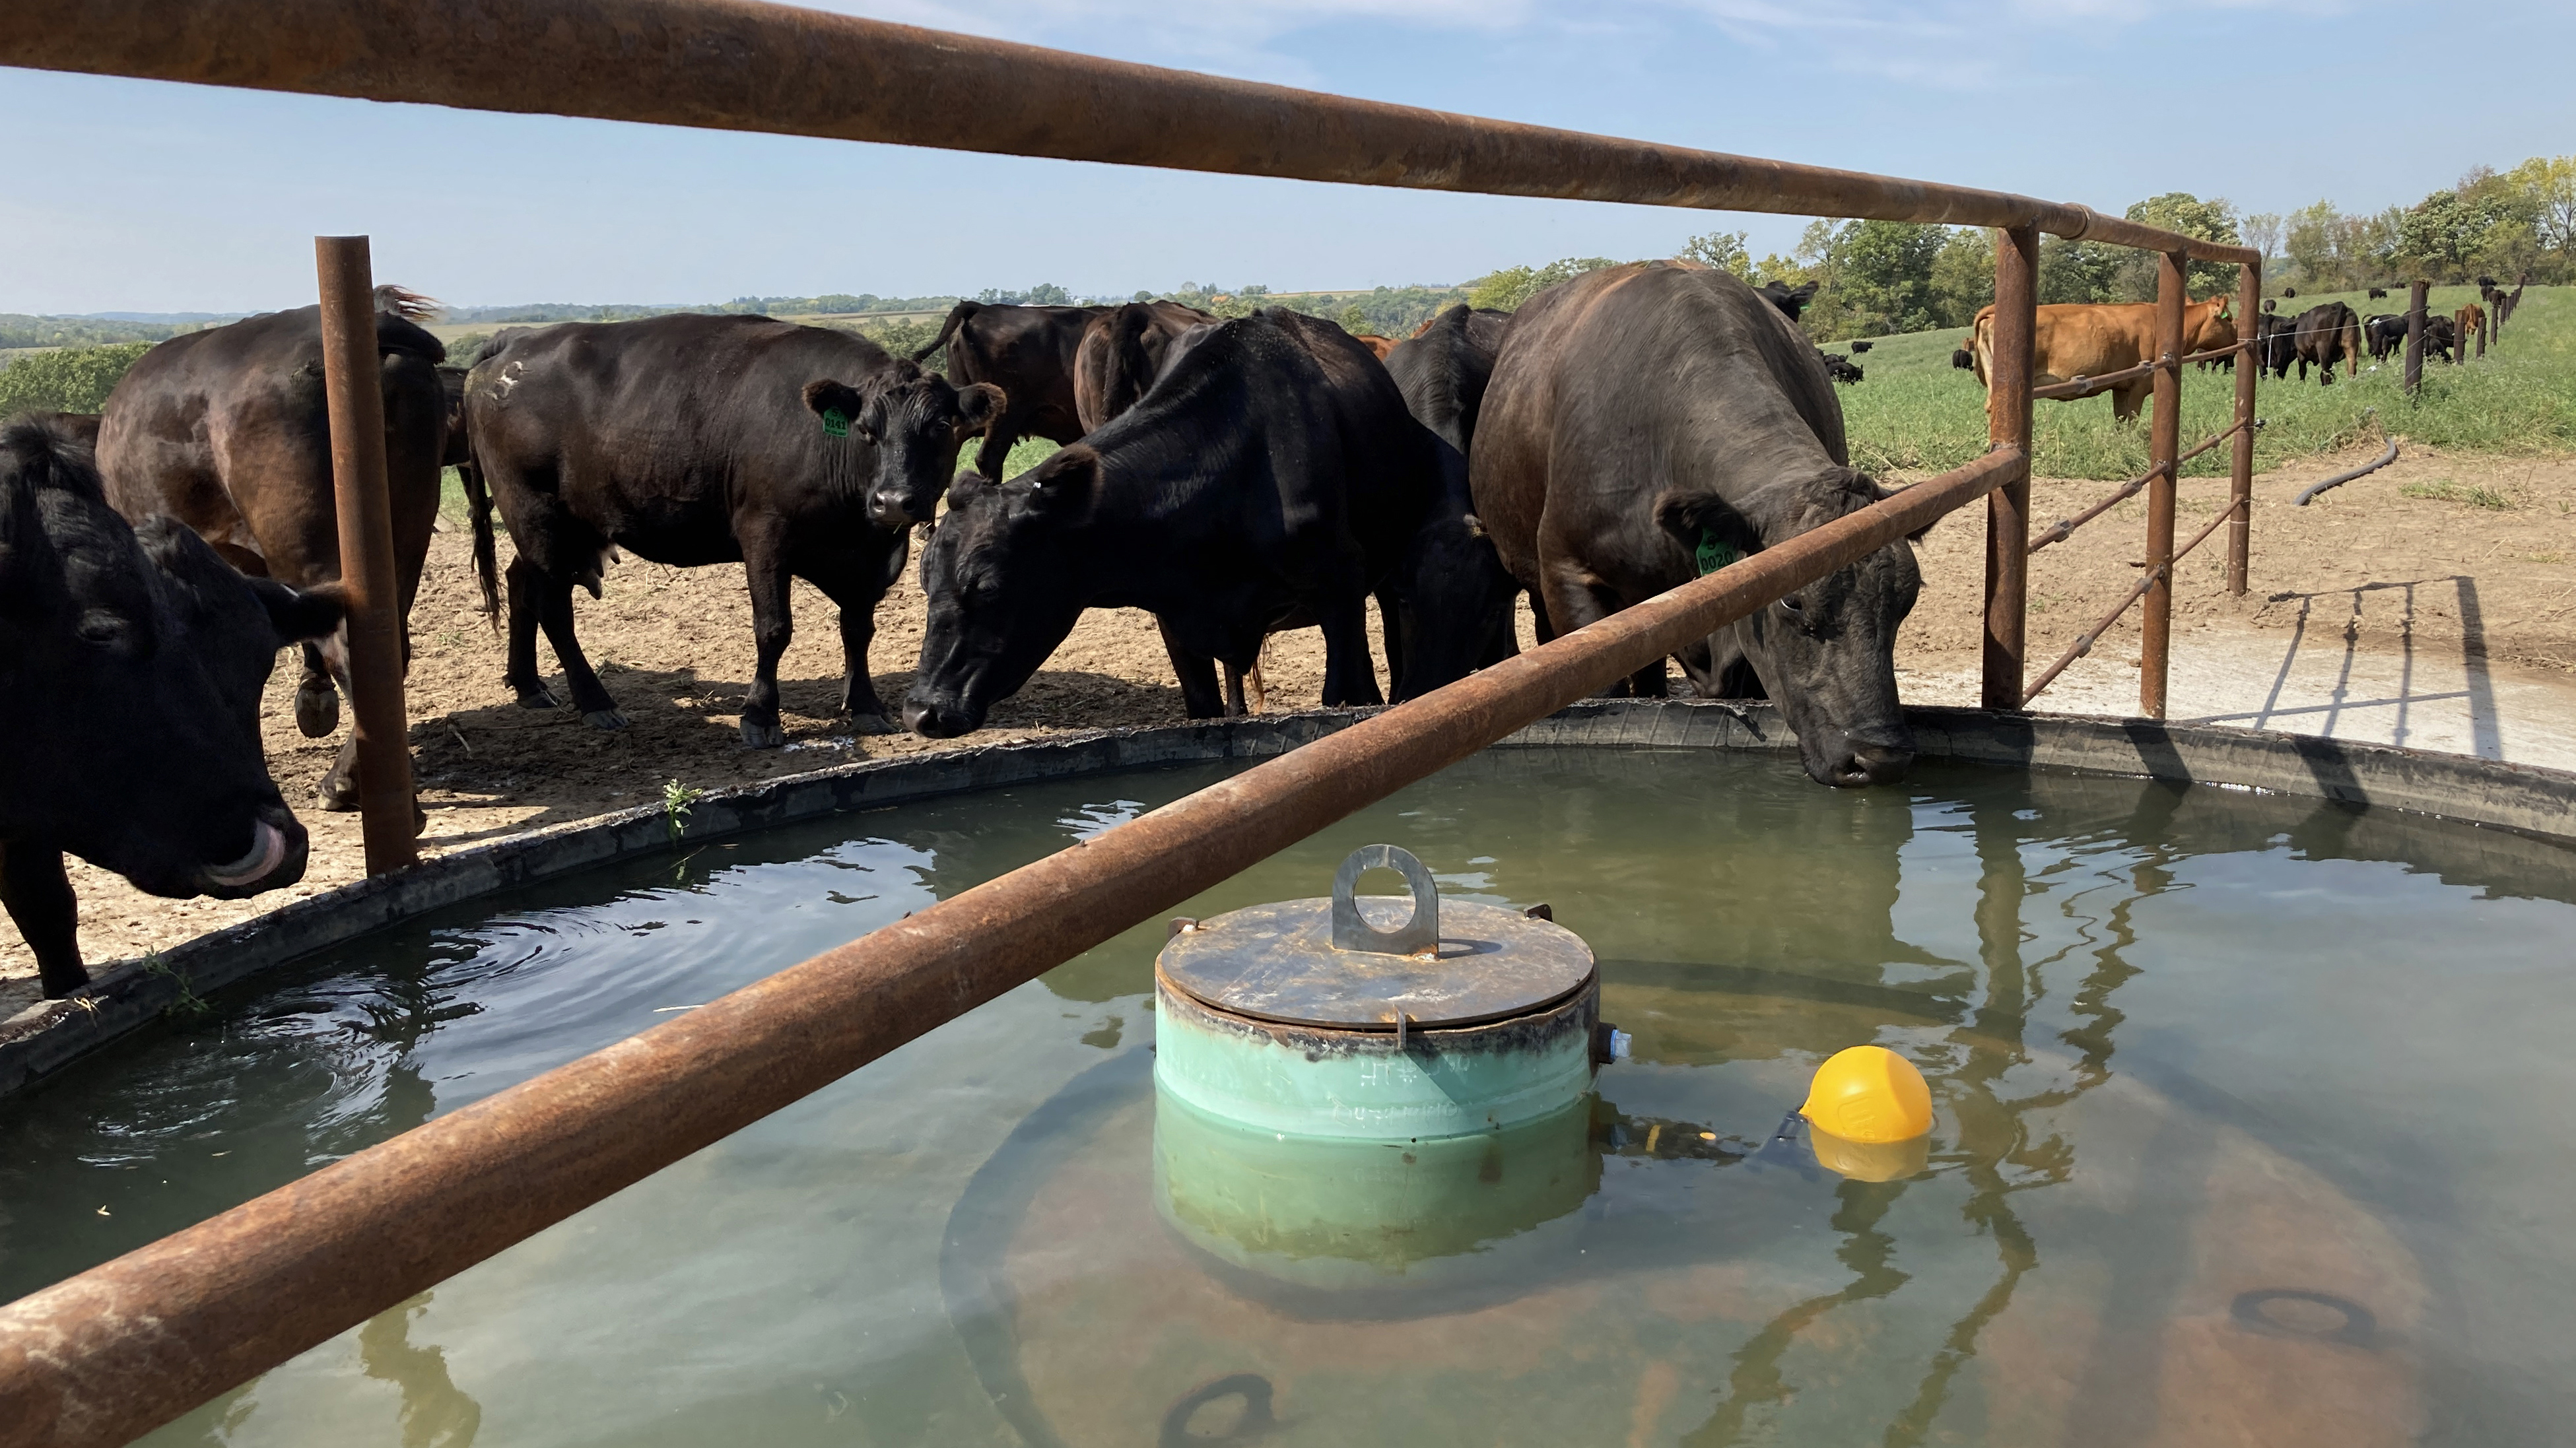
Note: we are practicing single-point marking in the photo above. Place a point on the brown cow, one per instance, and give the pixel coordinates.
(1121, 354)
(1027, 352)
(2082, 339)
(227, 431)
(1375, 343)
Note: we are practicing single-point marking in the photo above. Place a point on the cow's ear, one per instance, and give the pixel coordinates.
(980, 405)
(300, 614)
(841, 406)
(1066, 479)
(1701, 520)
(1870, 492)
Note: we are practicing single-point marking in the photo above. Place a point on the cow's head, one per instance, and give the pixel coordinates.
(139, 656)
(1003, 593)
(1827, 652)
(916, 421)
(2217, 327)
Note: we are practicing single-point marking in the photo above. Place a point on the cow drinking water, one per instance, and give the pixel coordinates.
(135, 657)
(1643, 417)
(1271, 473)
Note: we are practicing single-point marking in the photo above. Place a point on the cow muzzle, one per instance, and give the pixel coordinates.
(278, 850)
(939, 718)
(1862, 764)
(895, 510)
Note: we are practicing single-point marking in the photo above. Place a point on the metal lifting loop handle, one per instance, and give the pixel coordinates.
(1351, 931)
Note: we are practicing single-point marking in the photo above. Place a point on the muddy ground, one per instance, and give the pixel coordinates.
(2475, 553)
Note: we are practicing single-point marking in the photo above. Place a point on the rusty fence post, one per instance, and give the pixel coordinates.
(2008, 406)
(2155, 623)
(2240, 467)
(2415, 336)
(353, 382)
(2486, 327)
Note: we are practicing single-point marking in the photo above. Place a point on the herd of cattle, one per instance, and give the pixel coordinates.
(1618, 435)
(1232, 477)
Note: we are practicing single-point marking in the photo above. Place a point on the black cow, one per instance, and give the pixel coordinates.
(1859, 347)
(2276, 343)
(136, 656)
(1272, 471)
(2289, 293)
(1790, 300)
(1839, 367)
(2327, 334)
(1029, 354)
(692, 440)
(2376, 293)
(1443, 367)
(1647, 416)
(2384, 334)
(228, 431)
(2440, 339)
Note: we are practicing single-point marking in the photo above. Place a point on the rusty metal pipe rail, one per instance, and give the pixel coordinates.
(132, 1343)
(2064, 528)
(2080, 387)
(739, 66)
(2084, 641)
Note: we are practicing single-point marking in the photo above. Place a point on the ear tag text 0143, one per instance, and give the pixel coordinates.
(836, 423)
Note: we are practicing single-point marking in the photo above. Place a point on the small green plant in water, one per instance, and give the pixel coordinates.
(187, 1005)
(676, 799)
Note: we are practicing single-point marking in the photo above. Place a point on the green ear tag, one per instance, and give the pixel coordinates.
(836, 423)
(1715, 553)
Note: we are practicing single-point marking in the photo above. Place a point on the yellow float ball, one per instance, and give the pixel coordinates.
(1869, 1094)
(1876, 1161)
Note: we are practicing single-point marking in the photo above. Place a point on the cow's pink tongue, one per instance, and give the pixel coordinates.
(267, 848)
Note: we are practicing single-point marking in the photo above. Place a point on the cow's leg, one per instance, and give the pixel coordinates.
(1574, 598)
(1350, 676)
(527, 607)
(858, 605)
(39, 898)
(995, 451)
(773, 624)
(1390, 617)
(554, 615)
(1651, 682)
(1235, 708)
(2127, 399)
(317, 703)
(1197, 673)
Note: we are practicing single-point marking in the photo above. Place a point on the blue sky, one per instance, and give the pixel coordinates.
(159, 197)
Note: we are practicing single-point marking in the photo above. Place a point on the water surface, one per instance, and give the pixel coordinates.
(2249, 1130)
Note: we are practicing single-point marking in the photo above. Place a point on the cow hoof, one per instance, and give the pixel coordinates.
(762, 736)
(317, 711)
(873, 722)
(605, 718)
(337, 796)
(539, 697)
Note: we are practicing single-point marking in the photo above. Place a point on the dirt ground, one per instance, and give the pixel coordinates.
(674, 646)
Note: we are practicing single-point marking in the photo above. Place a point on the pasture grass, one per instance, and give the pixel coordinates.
(1915, 413)
(2444, 490)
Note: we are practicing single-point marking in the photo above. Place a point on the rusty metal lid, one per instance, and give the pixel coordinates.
(1323, 963)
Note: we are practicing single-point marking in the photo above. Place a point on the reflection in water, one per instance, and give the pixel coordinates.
(961, 1242)
(435, 1412)
(1993, 1131)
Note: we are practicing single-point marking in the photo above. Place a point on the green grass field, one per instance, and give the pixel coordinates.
(1916, 413)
